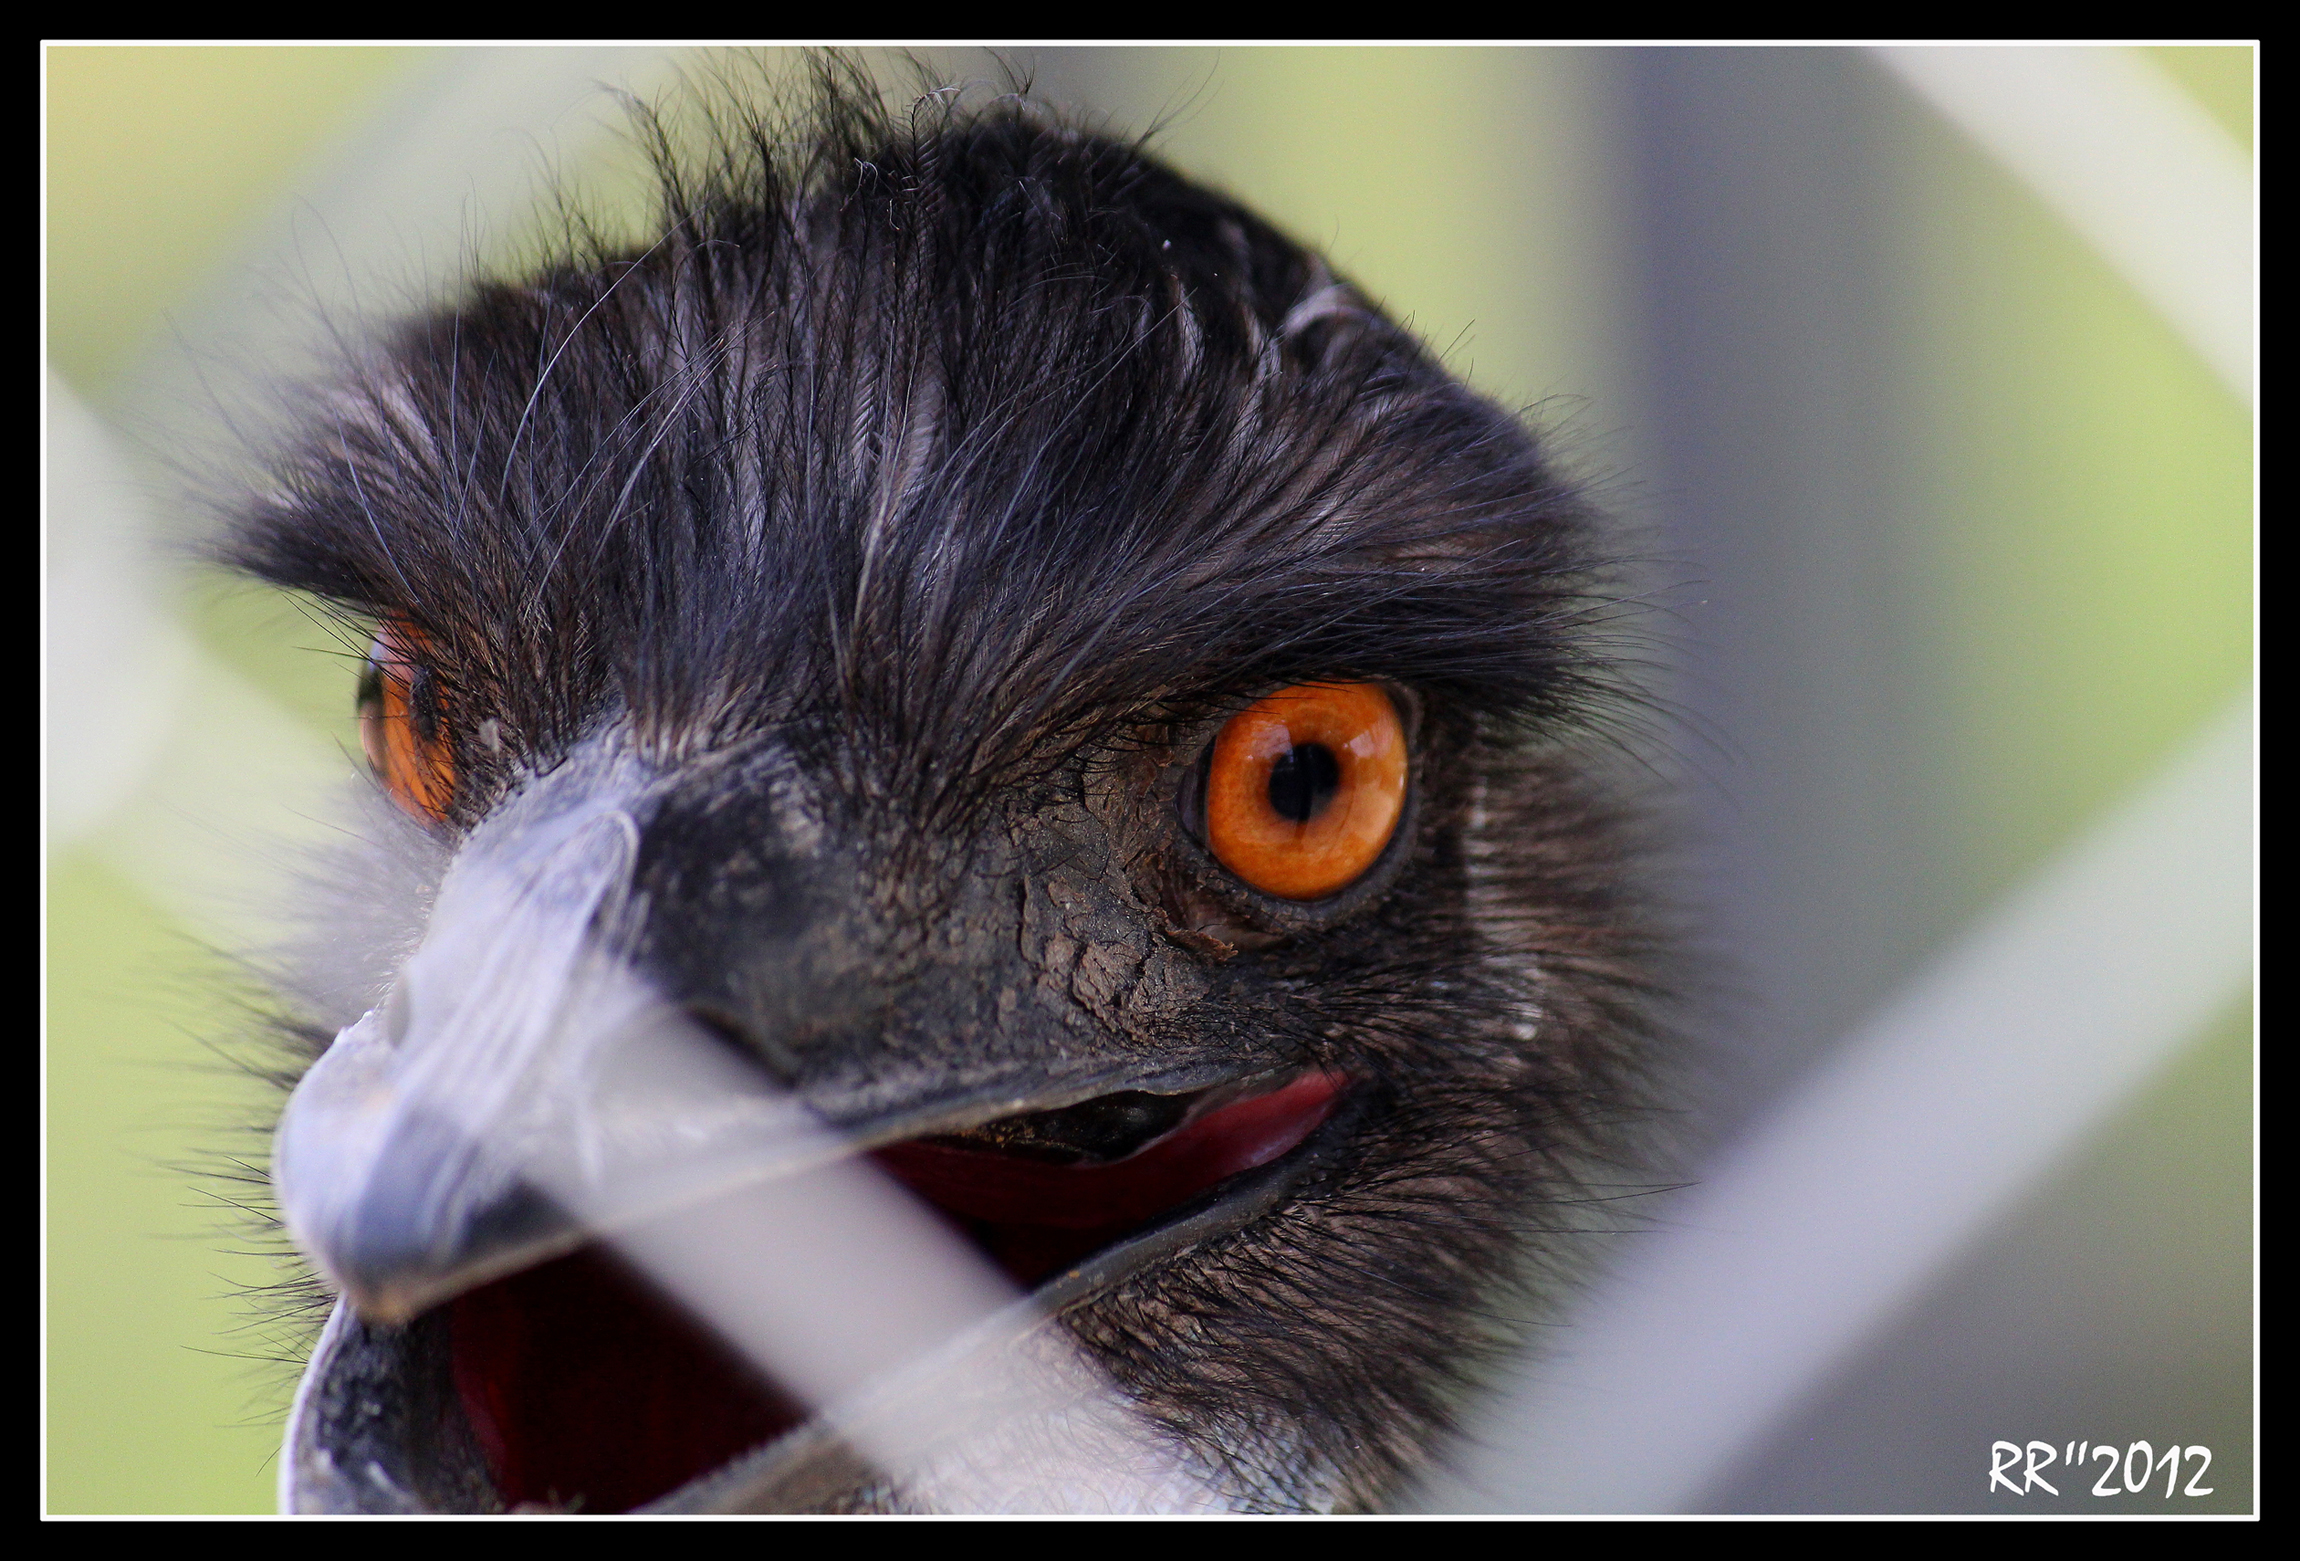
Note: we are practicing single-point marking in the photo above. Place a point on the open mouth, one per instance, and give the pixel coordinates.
(585, 1390)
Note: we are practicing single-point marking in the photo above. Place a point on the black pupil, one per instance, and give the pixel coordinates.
(1303, 781)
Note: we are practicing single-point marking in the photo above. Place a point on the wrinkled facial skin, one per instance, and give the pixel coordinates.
(912, 517)
(1080, 918)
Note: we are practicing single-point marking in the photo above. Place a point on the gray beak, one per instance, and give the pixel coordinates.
(523, 1091)
(522, 1088)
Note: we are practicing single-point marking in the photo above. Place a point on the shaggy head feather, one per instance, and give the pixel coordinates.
(915, 507)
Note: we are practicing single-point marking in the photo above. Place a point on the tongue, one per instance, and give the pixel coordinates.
(1036, 1218)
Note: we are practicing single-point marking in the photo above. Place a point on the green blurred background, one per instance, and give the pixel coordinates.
(1958, 551)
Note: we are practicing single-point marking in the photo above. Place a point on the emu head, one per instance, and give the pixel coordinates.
(1052, 683)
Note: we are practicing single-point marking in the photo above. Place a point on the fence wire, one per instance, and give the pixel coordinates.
(1799, 1243)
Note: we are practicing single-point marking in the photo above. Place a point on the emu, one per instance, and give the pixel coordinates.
(1094, 711)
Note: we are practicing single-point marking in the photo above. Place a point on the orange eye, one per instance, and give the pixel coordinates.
(402, 725)
(1304, 788)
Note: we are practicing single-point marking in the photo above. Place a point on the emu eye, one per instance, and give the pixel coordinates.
(1304, 788)
(402, 725)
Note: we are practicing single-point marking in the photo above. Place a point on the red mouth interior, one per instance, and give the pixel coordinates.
(585, 1389)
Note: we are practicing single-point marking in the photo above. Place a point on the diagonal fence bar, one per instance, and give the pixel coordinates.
(1934, 1117)
(2130, 162)
(2080, 963)
(516, 1052)
(1928, 1124)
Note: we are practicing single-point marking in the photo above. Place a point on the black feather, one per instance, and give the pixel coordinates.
(972, 455)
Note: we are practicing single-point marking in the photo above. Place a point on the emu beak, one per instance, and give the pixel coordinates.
(525, 1091)
(522, 1089)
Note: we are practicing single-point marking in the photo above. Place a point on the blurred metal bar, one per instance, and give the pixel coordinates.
(919, 1356)
(157, 756)
(1010, 1417)
(2130, 162)
(1769, 1198)
(1771, 414)
(1962, 1090)
(917, 1353)
(1924, 1128)
(112, 669)
(399, 208)
(393, 215)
